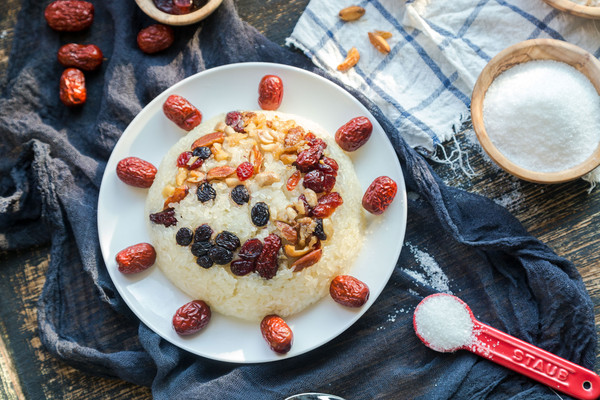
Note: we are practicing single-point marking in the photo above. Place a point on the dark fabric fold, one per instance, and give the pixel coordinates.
(49, 183)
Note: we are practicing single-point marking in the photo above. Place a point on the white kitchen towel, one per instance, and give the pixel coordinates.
(438, 49)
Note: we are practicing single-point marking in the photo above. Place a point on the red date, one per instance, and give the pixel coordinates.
(69, 15)
(354, 133)
(136, 172)
(85, 57)
(349, 291)
(136, 258)
(191, 317)
(277, 333)
(72, 87)
(182, 113)
(155, 38)
(270, 92)
(379, 195)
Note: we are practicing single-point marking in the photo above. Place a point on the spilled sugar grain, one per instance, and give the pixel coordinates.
(431, 273)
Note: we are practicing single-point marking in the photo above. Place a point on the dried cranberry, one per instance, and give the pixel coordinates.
(206, 192)
(191, 317)
(227, 240)
(313, 141)
(242, 267)
(266, 263)
(184, 236)
(314, 180)
(329, 166)
(319, 232)
(220, 255)
(183, 159)
(196, 164)
(260, 214)
(235, 120)
(244, 171)
(203, 233)
(308, 159)
(202, 152)
(251, 249)
(327, 205)
(165, 217)
(200, 249)
(205, 261)
(307, 207)
(240, 195)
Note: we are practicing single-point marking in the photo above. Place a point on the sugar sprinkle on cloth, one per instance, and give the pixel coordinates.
(438, 49)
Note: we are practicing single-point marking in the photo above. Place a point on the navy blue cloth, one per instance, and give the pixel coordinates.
(53, 163)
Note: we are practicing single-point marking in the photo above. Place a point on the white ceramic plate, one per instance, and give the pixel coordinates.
(122, 223)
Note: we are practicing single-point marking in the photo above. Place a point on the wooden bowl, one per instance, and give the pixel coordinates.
(529, 50)
(153, 12)
(576, 9)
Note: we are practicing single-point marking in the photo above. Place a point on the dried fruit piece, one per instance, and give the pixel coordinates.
(220, 255)
(266, 263)
(136, 258)
(191, 317)
(260, 214)
(227, 240)
(165, 217)
(277, 333)
(203, 233)
(136, 172)
(379, 195)
(293, 181)
(240, 195)
(205, 261)
(270, 92)
(206, 192)
(351, 59)
(306, 261)
(379, 43)
(155, 38)
(318, 181)
(244, 171)
(202, 152)
(72, 87)
(208, 140)
(354, 133)
(200, 249)
(319, 232)
(351, 13)
(250, 250)
(184, 236)
(178, 194)
(348, 291)
(182, 112)
(235, 120)
(327, 205)
(69, 15)
(85, 57)
(309, 159)
(242, 267)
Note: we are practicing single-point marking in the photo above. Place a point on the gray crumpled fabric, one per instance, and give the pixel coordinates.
(54, 158)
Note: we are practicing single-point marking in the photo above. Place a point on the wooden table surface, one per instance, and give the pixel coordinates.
(566, 217)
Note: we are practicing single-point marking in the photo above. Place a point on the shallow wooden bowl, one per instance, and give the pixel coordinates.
(576, 9)
(529, 50)
(153, 12)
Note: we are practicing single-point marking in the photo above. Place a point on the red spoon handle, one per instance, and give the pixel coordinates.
(535, 363)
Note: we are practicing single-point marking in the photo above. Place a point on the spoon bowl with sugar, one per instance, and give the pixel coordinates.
(445, 323)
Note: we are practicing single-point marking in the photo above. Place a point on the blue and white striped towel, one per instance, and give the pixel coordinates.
(438, 49)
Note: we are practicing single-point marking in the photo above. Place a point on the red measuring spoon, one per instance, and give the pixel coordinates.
(517, 355)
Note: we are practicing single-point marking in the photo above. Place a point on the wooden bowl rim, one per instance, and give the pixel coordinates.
(499, 64)
(153, 12)
(570, 7)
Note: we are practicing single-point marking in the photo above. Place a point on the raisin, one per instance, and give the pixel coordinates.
(244, 171)
(206, 192)
(200, 249)
(319, 232)
(242, 267)
(327, 205)
(266, 263)
(251, 249)
(308, 159)
(183, 159)
(205, 261)
(220, 255)
(203, 233)
(235, 120)
(227, 240)
(202, 152)
(260, 214)
(240, 195)
(184, 236)
(165, 217)
(191, 317)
